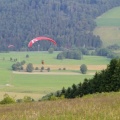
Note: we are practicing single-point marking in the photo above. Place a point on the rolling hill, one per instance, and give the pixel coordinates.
(108, 27)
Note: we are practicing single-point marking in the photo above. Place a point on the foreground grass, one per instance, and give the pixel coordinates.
(103, 106)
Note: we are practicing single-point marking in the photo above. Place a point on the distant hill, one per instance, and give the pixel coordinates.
(108, 27)
(70, 23)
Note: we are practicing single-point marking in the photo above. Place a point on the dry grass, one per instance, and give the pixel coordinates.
(109, 35)
(92, 107)
(71, 67)
(17, 95)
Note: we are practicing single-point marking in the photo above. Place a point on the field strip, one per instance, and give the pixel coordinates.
(67, 67)
(18, 95)
(71, 67)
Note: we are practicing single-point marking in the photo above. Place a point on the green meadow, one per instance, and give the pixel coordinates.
(41, 84)
(108, 27)
(109, 18)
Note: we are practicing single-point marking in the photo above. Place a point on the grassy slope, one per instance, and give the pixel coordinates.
(104, 106)
(109, 27)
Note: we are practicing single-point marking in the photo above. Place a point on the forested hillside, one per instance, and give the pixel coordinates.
(69, 23)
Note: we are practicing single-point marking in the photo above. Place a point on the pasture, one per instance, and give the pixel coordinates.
(108, 27)
(37, 84)
(109, 18)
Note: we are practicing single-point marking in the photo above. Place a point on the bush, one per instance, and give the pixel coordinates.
(51, 50)
(28, 99)
(83, 69)
(29, 67)
(19, 100)
(7, 100)
(36, 68)
(60, 56)
(53, 97)
(64, 68)
(23, 62)
(48, 69)
(42, 68)
(16, 66)
(27, 56)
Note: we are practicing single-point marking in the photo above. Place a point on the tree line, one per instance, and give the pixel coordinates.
(107, 80)
(68, 22)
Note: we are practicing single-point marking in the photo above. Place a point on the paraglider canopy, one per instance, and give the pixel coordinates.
(41, 38)
(10, 46)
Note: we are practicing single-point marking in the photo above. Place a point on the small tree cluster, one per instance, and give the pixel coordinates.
(107, 52)
(70, 54)
(18, 65)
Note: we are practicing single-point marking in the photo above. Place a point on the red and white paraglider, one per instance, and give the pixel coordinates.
(41, 38)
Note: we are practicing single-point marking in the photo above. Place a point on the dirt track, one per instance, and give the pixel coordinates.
(53, 73)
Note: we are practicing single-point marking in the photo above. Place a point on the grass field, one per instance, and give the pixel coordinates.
(104, 106)
(109, 18)
(108, 27)
(41, 84)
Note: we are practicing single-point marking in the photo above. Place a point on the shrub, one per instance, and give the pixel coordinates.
(28, 99)
(60, 56)
(23, 62)
(42, 68)
(51, 50)
(29, 67)
(16, 66)
(19, 100)
(48, 69)
(7, 100)
(64, 68)
(36, 68)
(10, 59)
(53, 97)
(27, 56)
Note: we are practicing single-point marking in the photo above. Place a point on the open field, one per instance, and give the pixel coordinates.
(37, 84)
(108, 27)
(109, 18)
(104, 106)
